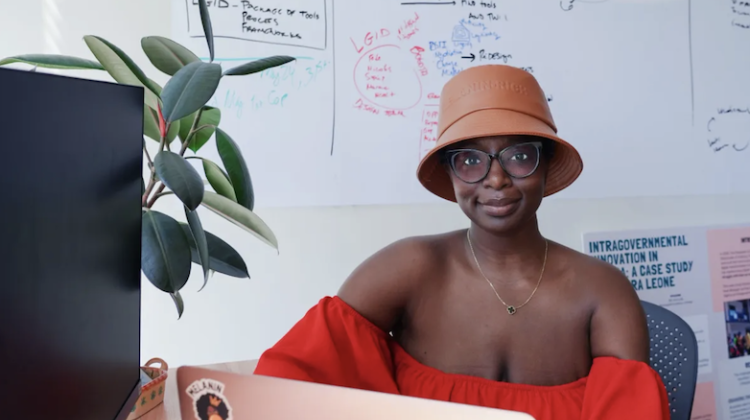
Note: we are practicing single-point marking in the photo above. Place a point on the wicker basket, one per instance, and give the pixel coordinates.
(152, 394)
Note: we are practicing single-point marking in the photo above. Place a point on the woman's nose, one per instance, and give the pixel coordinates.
(497, 178)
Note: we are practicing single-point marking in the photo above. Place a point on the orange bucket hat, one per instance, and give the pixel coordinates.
(495, 100)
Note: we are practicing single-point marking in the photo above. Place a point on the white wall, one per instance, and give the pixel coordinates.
(235, 319)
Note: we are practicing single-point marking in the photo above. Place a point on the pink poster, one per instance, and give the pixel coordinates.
(729, 262)
(706, 282)
(704, 405)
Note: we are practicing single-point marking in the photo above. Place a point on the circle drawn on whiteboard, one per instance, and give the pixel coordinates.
(385, 77)
(461, 36)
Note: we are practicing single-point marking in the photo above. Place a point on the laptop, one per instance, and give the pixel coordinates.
(213, 395)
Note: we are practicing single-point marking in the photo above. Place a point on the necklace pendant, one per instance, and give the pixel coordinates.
(511, 310)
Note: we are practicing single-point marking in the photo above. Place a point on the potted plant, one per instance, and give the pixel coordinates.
(177, 117)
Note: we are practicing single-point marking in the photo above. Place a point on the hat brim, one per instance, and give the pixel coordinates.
(564, 168)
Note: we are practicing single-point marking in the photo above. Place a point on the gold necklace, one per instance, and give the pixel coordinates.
(510, 308)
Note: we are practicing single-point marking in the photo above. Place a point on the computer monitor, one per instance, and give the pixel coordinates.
(70, 229)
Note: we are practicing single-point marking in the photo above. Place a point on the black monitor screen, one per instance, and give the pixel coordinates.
(70, 225)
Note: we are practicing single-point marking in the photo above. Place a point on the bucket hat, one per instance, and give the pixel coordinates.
(495, 100)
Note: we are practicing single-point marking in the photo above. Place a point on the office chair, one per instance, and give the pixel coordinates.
(674, 354)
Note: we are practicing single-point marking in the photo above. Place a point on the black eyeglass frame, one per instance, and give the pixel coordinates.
(450, 158)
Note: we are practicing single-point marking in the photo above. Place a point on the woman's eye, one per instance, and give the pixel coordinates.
(520, 156)
(470, 161)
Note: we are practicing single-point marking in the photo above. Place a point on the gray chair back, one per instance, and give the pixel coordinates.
(674, 354)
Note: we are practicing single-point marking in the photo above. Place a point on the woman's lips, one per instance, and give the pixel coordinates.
(499, 207)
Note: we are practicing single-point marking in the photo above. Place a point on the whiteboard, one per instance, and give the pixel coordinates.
(653, 93)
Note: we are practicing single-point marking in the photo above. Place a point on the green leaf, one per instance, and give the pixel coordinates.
(235, 165)
(199, 239)
(165, 252)
(178, 303)
(222, 257)
(151, 125)
(166, 55)
(122, 68)
(53, 61)
(240, 216)
(207, 30)
(180, 177)
(186, 124)
(259, 65)
(218, 180)
(174, 130)
(209, 117)
(189, 89)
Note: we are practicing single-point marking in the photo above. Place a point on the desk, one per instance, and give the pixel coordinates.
(170, 409)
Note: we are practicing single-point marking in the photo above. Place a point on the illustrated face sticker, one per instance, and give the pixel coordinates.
(209, 402)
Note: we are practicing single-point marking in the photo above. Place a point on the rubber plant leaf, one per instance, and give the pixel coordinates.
(198, 236)
(166, 55)
(165, 252)
(259, 65)
(189, 89)
(53, 61)
(234, 163)
(222, 257)
(122, 68)
(180, 177)
(240, 216)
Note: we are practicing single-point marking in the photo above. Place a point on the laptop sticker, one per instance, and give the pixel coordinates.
(209, 402)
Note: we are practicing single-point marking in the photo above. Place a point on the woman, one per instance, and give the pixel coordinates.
(495, 315)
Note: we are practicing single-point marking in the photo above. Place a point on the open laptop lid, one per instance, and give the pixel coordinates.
(214, 395)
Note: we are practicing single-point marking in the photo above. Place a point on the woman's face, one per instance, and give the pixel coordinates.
(498, 202)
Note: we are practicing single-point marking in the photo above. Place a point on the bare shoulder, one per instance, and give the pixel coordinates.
(381, 286)
(618, 324)
(596, 275)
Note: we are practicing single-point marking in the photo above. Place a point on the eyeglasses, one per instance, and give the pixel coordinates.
(472, 166)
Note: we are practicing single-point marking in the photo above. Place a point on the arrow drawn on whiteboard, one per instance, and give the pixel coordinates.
(428, 3)
(470, 57)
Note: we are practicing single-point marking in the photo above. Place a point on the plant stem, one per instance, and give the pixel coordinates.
(191, 132)
(184, 147)
(203, 127)
(152, 182)
(148, 156)
(152, 179)
(162, 194)
(163, 139)
(149, 188)
(156, 195)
